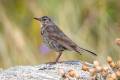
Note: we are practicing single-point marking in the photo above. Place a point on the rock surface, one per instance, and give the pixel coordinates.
(43, 71)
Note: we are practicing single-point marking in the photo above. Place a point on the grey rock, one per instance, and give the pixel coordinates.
(43, 71)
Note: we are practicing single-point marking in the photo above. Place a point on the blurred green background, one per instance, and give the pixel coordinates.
(93, 24)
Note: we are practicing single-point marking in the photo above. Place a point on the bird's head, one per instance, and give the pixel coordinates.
(43, 19)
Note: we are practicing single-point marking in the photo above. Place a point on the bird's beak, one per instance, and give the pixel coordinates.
(37, 19)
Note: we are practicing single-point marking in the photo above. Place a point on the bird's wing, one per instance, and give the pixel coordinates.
(56, 34)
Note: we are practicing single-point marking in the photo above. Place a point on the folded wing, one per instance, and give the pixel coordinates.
(57, 35)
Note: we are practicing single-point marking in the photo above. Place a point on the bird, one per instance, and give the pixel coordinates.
(55, 38)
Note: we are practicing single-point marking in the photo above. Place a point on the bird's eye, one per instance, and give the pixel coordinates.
(44, 19)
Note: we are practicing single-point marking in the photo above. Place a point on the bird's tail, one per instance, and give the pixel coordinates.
(80, 50)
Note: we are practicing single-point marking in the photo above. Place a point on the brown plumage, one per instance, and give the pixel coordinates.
(56, 39)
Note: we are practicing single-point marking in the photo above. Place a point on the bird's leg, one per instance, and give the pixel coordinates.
(58, 57)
